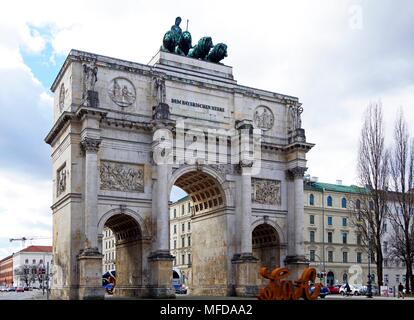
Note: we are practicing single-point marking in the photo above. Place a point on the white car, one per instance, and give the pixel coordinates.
(354, 290)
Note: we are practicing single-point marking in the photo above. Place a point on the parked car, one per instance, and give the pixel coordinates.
(323, 292)
(11, 289)
(364, 290)
(20, 289)
(334, 289)
(3, 289)
(353, 290)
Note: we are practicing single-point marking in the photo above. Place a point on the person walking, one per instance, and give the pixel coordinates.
(400, 291)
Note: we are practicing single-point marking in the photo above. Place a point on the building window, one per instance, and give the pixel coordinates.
(182, 242)
(189, 258)
(386, 278)
(385, 227)
(182, 227)
(312, 255)
(329, 221)
(175, 229)
(359, 257)
(312, 219)
(385, 244)
(359, 239)
(41, 261)
(189, 241)
(330, 256)
(189, 207)
(175, 213)
(189, 226)
(344, 237)
(26, 261)
(344, 222)
(34, 261)
(182, 210)
(183, 259)
(358, 204)
(371, 205)
(345, 257)
(312, 236)
(329, 201)
(385, 262)
(311, 200)
(329, 237)
(343, 202)
(397, 278)
(175, 244)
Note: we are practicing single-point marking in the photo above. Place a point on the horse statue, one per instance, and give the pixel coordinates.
(217, 53)
(201, 49)
(184, 44)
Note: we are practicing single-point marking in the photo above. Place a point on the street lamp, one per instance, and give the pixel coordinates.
(369, 287)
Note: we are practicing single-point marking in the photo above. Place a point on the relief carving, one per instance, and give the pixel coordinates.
(116, 176)
(122, 92)
(62, 94)
(263, 118)
(266, 191)
(60, 181)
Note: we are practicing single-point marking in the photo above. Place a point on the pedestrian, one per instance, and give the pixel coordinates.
(400, 291)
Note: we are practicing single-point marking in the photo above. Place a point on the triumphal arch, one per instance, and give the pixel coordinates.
(124, 133)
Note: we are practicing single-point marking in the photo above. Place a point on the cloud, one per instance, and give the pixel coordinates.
(336, 56)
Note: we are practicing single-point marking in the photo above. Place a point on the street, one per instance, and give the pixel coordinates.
(26, 295)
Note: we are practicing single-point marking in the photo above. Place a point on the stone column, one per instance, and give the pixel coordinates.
(246, 208)
(296, 260)
(90, 259)
(160, 259)
(91, 146)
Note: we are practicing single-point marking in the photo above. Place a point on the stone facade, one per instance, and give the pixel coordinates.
(108, 115)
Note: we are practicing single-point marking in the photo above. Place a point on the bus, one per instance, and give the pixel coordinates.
(178, 282)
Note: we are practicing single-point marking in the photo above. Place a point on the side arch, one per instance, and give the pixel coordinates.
(146, 235)
(273, 224)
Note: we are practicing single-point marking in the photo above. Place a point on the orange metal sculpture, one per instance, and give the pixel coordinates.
(279, 288)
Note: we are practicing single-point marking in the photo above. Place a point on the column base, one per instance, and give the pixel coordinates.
(296, 266)
(131, 292)
(246, 269)
(90, 275)
(64, 293)
(161, 266)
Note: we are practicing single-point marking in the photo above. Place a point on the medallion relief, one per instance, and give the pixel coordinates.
(263, 118)
(122, 92)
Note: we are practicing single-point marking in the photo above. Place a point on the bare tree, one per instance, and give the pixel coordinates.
(402, 183)
(373, 175)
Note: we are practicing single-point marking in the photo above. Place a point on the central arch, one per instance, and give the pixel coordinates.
(210, 240)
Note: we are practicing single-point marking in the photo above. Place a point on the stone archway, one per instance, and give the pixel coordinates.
(266, 248)
(129, 255)
(209, 232)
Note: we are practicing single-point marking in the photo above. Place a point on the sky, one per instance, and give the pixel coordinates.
(336, 56)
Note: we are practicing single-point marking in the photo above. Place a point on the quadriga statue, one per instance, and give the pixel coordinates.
(201, 49)
(217, 53)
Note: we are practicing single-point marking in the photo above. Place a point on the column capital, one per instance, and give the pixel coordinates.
(90, 144)
(245, 163)
(297, 172)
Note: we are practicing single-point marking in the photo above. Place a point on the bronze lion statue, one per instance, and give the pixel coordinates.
(201, 49)
(217, 53)
(184, 44)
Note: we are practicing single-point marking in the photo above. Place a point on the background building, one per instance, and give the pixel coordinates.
(180, 236)
(27, 262)
(6, 271)
(332, 243)
(108, 250)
